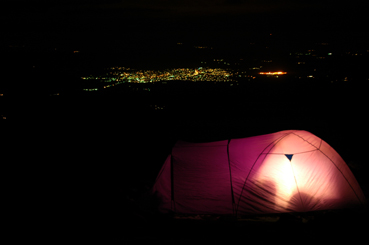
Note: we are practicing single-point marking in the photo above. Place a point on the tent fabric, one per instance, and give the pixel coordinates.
(287, 171)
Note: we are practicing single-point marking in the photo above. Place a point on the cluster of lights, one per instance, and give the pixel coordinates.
(90, 89)
(203, 47)
(150, 76)
(119, 75)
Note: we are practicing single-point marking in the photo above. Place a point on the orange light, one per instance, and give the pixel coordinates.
(273, 73)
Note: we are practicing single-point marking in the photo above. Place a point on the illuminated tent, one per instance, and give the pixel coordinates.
(287, 171)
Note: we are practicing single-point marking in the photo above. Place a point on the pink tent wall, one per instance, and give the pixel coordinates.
(287, 171)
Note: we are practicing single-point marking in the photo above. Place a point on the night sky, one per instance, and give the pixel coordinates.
(170, 17)
(124, 25)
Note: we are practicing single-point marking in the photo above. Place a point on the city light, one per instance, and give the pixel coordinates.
(188, 74)
(119, 75)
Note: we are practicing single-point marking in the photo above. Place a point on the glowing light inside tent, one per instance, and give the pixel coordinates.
(294, 187)
(273, 73)
(315, 183)
(276, 169)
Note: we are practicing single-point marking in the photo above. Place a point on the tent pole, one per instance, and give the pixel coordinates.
(173, 207)
(230, 177)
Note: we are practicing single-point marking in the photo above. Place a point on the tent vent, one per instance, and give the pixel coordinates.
(289, 156)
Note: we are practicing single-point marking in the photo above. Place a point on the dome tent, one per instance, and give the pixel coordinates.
(287, 171)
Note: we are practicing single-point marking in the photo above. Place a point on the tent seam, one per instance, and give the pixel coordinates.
(343, 176)
(173, 207)
(305, 140)
(291, 153)
(230, 176)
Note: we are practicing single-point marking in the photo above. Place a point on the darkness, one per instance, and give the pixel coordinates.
(84, 159)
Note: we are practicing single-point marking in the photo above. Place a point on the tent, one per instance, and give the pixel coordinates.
(287, 171)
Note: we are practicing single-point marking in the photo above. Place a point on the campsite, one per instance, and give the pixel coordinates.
(98, 158)
(97, 187)
(107, 93)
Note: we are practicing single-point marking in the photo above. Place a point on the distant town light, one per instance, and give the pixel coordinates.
(273, 73)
